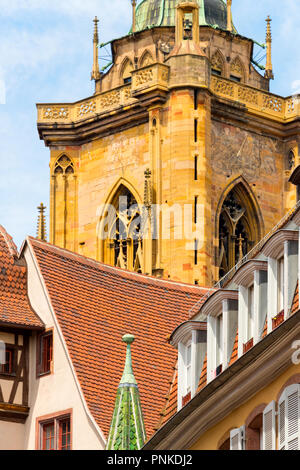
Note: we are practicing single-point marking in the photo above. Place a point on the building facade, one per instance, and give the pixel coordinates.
(62, 317)
(240, 389)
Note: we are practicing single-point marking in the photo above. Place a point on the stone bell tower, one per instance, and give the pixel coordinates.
(182, 129)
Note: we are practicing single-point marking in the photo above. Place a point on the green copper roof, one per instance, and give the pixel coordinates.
(127, 430)
(150, 13)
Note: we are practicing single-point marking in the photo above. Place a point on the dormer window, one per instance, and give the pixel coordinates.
(221, 309)
(282, 252)
(219, 344)
(251, 279)
(250, 323)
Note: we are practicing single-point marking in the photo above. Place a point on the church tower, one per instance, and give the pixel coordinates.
(180, 161)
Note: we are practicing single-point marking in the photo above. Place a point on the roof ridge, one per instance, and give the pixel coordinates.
(9, 242)
(113, 270)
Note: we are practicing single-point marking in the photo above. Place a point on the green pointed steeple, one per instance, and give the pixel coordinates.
(127, 430)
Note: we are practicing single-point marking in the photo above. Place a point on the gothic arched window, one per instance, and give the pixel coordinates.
(64, 166)
(290, 160)
(237, 70)
(217, 64)
(239, 229)
(63, 203)
(124, 243)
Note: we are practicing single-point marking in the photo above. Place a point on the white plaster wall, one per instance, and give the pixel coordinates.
(58, 391)
(11, 436)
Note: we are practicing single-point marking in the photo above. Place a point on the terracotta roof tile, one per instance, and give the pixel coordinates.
(265, 330)
(171, 400)
(203, 376)
(96, 305)
(15, 309)
(295, 303)
(234, 354)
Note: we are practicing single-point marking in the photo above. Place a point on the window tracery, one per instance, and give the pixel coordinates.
(237, 70)
(64, 166)
(125, 233)
(237, 231)
(217, 64)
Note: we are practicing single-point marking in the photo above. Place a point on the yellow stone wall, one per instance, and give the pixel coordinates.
(226, 154)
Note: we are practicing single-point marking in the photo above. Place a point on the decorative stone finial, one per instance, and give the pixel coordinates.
(127, 430)
(128, 377)
(229, 16)
(41, 226)
(147, 189)
(269, 68)
(133, 3)
(95, 75)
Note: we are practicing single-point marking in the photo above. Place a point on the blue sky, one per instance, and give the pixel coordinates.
(46, 56)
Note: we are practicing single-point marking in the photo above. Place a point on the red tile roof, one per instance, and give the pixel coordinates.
(171, 400)
(96, 305)
(203, 376)
(15, 309)
(295, 303)
(234, 354)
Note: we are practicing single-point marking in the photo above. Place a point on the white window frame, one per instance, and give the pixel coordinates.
(269, 427)
(273, 287)
(182, 371)
(237, 434)
(249, 330)
(280, 283)
(286, 436)
(213, 349)
(187, 387)
(246, 331)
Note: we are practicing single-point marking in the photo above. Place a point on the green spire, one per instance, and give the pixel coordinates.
(127, 430)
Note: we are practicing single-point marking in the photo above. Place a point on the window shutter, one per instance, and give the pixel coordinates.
(269, 427)
(237, 438)
(289, 418)
(281, 422)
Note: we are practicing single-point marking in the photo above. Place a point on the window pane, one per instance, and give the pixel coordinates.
(280, 277)
(188, 355)
(48, 437)
(8, 368)
(64, 434)
(250, 313)
(46, 346)
(219, 336)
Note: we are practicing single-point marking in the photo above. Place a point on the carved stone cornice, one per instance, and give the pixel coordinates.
(252, 372)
